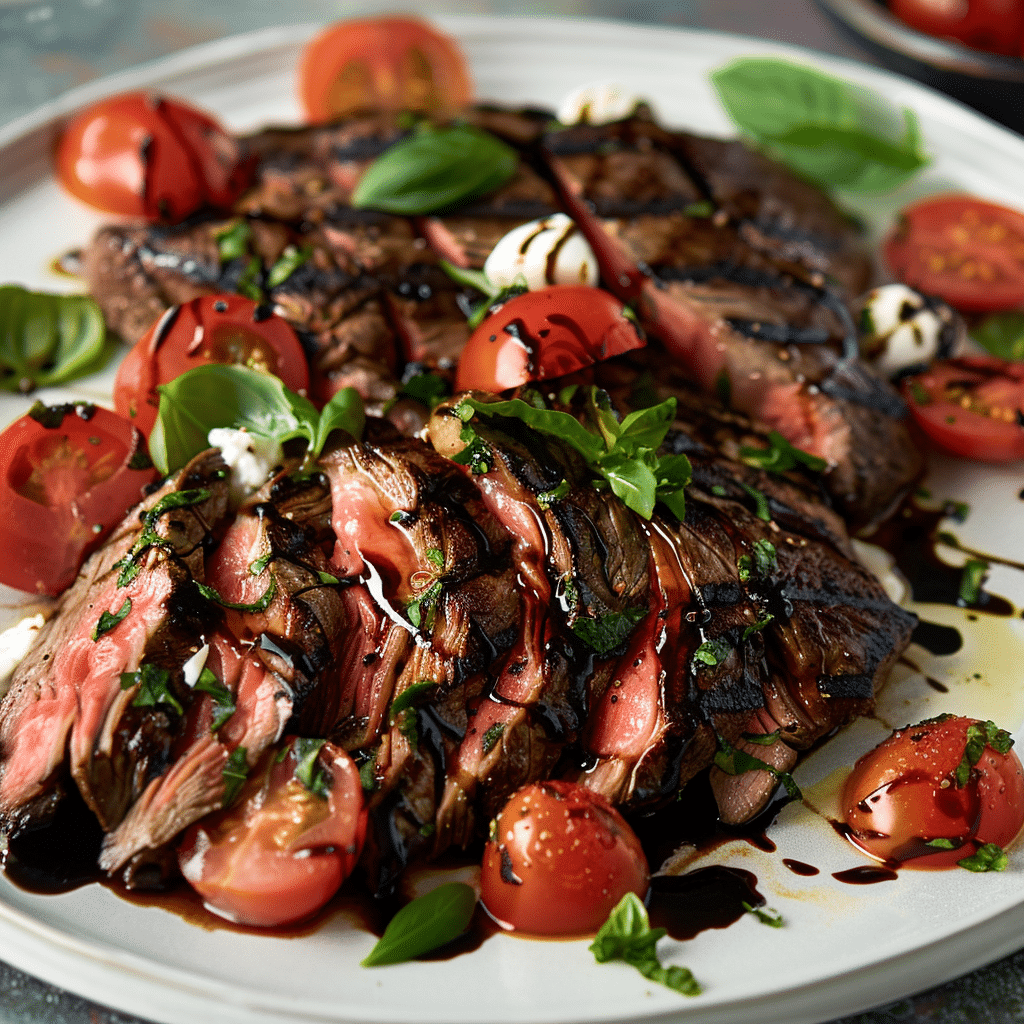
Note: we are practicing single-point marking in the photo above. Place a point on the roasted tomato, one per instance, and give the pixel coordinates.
(994, 25)
(280, 852)
(968, 252)
(210, 329)
(971, 406)
(382, 64)
(140, 155)
(543, 334)
(70, 473)
(932, 794)
(559, 859)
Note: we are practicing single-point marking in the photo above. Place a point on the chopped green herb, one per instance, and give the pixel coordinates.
(154, 687)
(248, 283)
(739, 762)
(108, 620)
(256, 567)
(918, 393)
(767, 916)
(408, 722)
(711, 652)
(436, 557)
(421, 611)
(129, 565)
(223, 700)
(260, 605)
(327, 579)
(427, 388)
(1002, 334)
(971, 579)
(719, 491)
(545, 498)
(409, 696)
(426, 923)
(943, 844)
(761, 509)
(608, 632)
(307, 766)
(627, 935)
(989, 857)
(757, 626)
(233, 241)
(491, 737)
(780, 456)
(234, 773)
(702, 209)
(979, 736)
(762, 739)
(289, 261)
(368, 774)
(761, 563)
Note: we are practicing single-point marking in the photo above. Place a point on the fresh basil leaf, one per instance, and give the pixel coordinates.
(154, 687)
(673, 474)
(47, 339)
(233, 241)
(757, 626)
(234, 773)
(738, 762)
(761, 509)
(836, 133)
(491, 737)
(762, 739)
(223, 395)
(989, 857)
(980, 735)
(712, 652)
(307, 768)
(223, 700)
(606, 633)
(631, 480)
(765, 915)
(433, 169)
(420, 610)
(971, 578)
(426, 923)
(943, 844)
(646, 428)
(261, 604)
(1002, 334)
(427, 388)
(108, 620)
(471, 279)
(409, 696)
(627, 935)
(287, 263)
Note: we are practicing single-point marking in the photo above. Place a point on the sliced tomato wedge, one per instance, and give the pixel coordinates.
(210, 329)
(967, 251)
(142, 155)
(68, 475)
(971, 406)
(544, 334)
(282, 850)
(382, 64)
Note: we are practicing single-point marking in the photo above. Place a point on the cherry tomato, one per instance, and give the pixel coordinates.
(971, 406)
(210, 329)
(68, 475)
(545, 333)
(381, 64)
(994, 25)
(281, 851)
(140, 155)
(945, 779)
(560, 858)
(968, 252)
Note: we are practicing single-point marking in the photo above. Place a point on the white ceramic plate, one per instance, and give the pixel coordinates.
(843, 947)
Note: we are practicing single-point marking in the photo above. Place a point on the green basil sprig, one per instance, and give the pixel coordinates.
(624, 453)
(628, 935)
(1002, 334)
(221, 395)
(47, 339)
(430, 921)
(433, 169)
(835, 133)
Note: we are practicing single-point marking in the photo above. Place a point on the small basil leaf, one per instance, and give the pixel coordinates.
(434, 169)
(154, 687)
(288, 262)
(646, 428)
(343, 412)
(108, 620)
(608, 632)
(223, 701)
(989, 857)
(428, 922)
(409, 696)
(307, 768)
(767, 916)
(234, 773)
(47, 339)
(1002, 334)
(631, 480)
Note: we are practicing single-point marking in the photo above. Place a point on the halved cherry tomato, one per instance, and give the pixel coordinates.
(141, 155)
(971, 406)
(940, 780)
(559, 859)
(279, 853)
(382, 64)
(993, 25)
(966, 251)
(543, 334)
(68, 475)
(210, 329)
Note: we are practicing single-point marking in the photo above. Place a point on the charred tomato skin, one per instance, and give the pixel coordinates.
(970, 406)
(69, 474)
(967, 251)
(209, 329)
(280, 852)
(904, 794)
(143, 155)
(389, 64)
(545, 334)
(559, 859)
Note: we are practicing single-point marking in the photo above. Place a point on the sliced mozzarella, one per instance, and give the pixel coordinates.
(544, 252)
(901, 329)
(250, 458)
(14, 645)
(597, 103)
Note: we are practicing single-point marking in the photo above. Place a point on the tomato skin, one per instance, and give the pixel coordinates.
(903, 794)
(64, 489)
(573, 854)
(209, 329)
(543, 334)
(280, 852)
(141, 155)
(993, 25)
(970, 406)
(387, 64)
(968, 252)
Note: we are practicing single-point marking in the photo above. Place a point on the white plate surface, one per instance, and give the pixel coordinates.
(843, 947)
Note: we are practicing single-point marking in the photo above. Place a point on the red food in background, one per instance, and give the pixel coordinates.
(993, 25)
